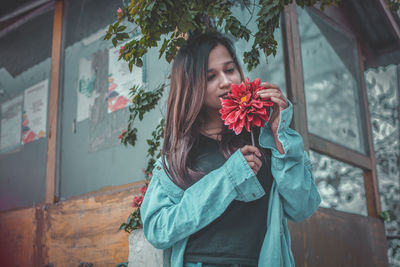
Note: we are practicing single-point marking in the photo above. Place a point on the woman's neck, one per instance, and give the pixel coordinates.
(213, 125)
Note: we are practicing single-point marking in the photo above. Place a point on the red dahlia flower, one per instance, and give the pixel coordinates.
(244, 108)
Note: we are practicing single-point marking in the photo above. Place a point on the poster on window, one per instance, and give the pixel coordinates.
(120, 80)
(34, 116)
(85, 87)
(11, 112)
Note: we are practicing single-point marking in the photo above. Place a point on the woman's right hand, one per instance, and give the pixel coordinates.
(252, 155)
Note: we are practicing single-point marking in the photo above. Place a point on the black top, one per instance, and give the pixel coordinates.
(237, 235)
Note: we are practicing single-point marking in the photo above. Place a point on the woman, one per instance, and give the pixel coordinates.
(215, 199)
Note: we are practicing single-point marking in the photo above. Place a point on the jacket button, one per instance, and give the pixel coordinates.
(254, 195)
(158, 168)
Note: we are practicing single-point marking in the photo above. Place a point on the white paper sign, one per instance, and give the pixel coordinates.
(11, 115)
(35, 112)
(85, 89)
(120, 80)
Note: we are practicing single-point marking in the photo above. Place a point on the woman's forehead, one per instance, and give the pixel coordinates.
(219, 57)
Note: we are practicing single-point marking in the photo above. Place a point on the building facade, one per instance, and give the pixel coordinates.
(67, 183)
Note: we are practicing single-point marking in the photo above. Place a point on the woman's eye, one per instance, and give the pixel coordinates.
(209, 78)
(230, 70)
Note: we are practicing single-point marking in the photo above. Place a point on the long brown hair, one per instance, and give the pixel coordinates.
(185, 110)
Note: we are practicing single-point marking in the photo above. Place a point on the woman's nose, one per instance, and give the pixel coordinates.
(224, 81)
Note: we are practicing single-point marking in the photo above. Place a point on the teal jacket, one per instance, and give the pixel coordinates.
(170, 215)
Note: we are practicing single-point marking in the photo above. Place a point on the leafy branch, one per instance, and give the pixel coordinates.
(133, 222)
(143, 101)
(159, 22)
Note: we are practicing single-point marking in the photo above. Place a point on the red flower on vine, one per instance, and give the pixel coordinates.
(119, 13)
(137, 200)
(143, 190)
(244, 108)
(121, 50)
(122, 134)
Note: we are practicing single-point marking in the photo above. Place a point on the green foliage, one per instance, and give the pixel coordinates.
(388, 215)
(154, 144)
(143, 101)
(393, 5)
(171, 20)
(132, 222)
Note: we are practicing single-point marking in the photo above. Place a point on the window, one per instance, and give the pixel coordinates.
(25, 61)
(95, 109)
(331, 82)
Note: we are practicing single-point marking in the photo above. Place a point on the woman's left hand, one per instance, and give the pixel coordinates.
(273, 92)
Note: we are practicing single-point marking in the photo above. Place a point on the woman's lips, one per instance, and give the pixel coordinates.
(224, 96)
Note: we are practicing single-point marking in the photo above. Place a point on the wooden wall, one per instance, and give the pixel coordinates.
(333, 238)
(85, 229)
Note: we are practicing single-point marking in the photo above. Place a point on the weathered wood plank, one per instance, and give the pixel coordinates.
(333, 238)
(339, 152)
(82, 229)
(294, 71)
(53, 102)
(86, 230)
(370, 176)
(18, 240)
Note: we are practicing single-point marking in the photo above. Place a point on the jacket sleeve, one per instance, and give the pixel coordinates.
(292, 170)
(169, 216)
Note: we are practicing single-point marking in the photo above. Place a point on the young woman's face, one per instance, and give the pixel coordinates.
(222, 72)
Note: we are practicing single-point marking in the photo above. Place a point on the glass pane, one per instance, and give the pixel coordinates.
(331, 82)
(340, 185)
(94, 109)
(382, 91)
(25, 61)
(270, 69)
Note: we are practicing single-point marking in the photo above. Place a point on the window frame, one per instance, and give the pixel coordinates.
(295, 89)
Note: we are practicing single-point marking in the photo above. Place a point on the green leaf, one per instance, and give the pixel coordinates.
(119, 37)
(125, 35)
(115, 26)
(163, 47)
(121, 28)
(123, 225)
(388, 215)
(107, 36)
(130, 65)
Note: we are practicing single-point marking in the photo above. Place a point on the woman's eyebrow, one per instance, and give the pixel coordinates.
(226, 63)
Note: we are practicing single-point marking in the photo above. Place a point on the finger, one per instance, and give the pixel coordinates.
(253, 167)
(268, 90)
(251, 164)
(266, 95)
(247, 149)
(253, 160)
(270, 85)
(257, 161)
(279, 101)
